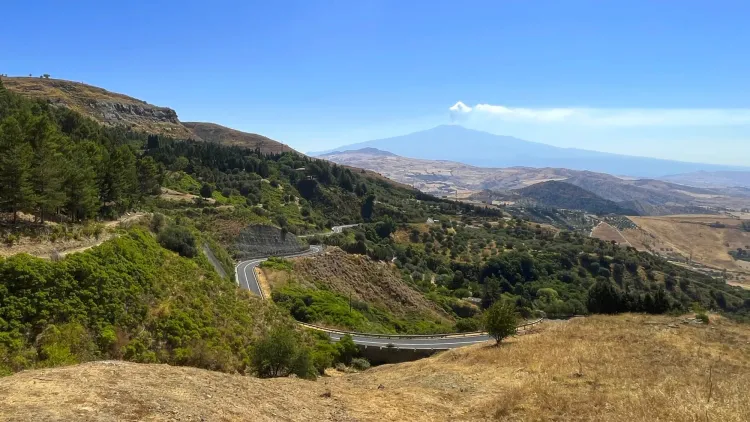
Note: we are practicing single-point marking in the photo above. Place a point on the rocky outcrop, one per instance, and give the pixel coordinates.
(109, 108)
(259, 241)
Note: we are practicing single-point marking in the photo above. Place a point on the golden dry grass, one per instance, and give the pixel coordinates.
(606, 232)
(691, 234)
(604, 368)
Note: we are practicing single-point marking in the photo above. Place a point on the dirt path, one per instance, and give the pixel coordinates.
(47, 249)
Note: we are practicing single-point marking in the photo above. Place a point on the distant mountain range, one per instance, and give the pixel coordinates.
(457, 143)
(613, 194)
(712, 179)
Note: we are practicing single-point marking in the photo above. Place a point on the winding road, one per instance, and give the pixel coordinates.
(248, 280)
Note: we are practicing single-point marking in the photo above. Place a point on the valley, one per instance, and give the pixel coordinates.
(506, 185)
(164, 220)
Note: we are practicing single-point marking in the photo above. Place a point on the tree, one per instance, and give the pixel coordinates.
(149, 177)
(80, 186)
(279, 354)
(16, 192)
(500, 320)
(367, 207)
(604, 298)
(206, 190)
(47, 167)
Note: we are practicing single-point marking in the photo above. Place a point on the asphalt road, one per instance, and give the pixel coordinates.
(246, 279)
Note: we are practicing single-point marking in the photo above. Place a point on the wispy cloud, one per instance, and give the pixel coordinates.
(602, 116)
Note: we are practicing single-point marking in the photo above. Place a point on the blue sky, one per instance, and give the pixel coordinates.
(668, 79)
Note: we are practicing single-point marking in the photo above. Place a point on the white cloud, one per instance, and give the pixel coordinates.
(603, 117)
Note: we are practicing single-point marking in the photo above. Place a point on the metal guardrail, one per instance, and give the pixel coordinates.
(523, 326)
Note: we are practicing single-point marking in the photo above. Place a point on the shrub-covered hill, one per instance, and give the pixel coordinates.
(321, 289)
(560, 273)
(126, 299)
(565, 195)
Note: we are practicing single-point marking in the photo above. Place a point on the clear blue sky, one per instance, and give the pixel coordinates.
(656, 78)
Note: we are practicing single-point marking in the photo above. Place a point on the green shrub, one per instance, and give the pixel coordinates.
(360, 364)
(179, 239)
(702, 317)
(347, 350)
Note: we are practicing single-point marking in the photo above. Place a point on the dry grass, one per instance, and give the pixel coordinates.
(92, 101)
(623, 368)
(223, 135)
(606, 232)
(691, 234)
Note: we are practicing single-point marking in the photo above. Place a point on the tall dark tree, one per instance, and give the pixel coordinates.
(80, 187)
(16, 191)
(149, 177)
(47, 170)
(368, 206)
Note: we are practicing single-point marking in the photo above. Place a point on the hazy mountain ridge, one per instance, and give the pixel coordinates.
(453, 142)
(450, 178)
(711, 179)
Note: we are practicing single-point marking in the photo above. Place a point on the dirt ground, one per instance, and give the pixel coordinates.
(605, 368)
(46, 249)
(606, 232)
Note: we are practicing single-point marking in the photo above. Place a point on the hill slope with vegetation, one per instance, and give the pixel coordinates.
(212, 132)
(628, 368)
(320, 290)
(565, 195)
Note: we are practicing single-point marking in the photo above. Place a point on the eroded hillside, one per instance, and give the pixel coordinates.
(327, 283)
(615, 368)
(104, 106)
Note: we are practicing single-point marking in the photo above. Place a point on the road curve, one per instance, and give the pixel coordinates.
(247, 280)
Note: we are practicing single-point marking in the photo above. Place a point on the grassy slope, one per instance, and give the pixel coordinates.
(84, 99)
(226, 136)
(383, 302)
(623, 368)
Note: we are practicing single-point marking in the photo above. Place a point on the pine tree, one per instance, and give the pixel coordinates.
(81, 188)
(47, 168)
(16, 192)
(149, 177)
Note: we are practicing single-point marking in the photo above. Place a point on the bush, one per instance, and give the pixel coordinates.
(158, 222)
(702, 317)
(360, 364)
(179, 239)
(347, 350)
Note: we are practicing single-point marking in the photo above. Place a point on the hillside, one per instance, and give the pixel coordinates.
(565, 195)
(376, 290)
(212, 132)
(708, 239)
(113, 109)
(109, 108)
(454, 142)
(628, 368)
